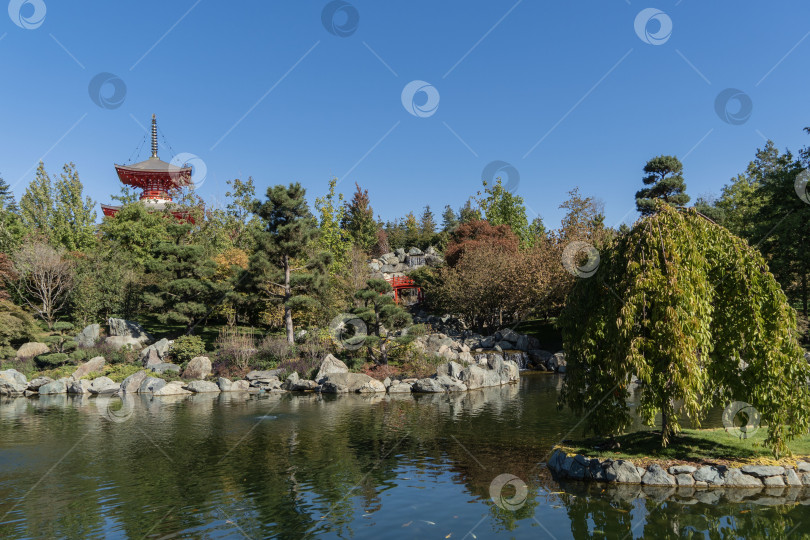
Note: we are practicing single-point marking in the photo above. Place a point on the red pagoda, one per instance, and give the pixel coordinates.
(155, 177)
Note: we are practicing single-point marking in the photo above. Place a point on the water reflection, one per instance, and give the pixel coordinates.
(308, 466)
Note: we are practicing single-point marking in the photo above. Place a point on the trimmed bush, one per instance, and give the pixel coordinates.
(80, 355)
(62, 326)
(185, 348)
(52, 360)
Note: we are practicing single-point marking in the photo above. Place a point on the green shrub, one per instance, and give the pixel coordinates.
(16, 324)
(69, 346)
(51, 360)
(80, 355)
(52, 340)
(185, 348)
(62, 326)
(7, 351)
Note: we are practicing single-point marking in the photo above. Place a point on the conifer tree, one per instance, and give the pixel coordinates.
(384, 320)
(7, 201)
(282, 269)
(358, 220)
(665, 178)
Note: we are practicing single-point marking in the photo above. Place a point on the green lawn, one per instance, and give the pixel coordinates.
(703, 445)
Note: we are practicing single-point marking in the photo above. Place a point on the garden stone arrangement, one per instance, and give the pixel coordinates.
(396, 263)
(622, 471)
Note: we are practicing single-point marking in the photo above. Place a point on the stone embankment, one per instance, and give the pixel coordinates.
(620, 471)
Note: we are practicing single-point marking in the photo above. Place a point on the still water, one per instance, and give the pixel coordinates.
(305, 466)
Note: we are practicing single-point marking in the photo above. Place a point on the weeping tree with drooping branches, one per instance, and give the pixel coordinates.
(695, 314)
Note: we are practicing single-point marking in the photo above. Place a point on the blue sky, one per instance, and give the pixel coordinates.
(568, 93)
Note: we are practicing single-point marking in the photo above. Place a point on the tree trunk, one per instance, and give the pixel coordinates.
(288, 322)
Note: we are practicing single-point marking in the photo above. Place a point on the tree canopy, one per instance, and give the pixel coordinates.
(695, 314)
(664, 175)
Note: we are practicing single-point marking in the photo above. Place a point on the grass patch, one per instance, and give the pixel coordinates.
(691, 445)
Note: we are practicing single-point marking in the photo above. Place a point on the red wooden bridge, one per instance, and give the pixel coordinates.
(405, 283)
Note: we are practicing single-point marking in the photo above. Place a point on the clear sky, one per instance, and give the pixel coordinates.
(574, 93)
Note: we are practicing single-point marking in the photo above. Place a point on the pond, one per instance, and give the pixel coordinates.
(306, 466)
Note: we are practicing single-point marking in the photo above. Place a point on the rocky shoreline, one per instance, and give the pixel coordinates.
(581, 468)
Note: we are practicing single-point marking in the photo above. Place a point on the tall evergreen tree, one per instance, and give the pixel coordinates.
(665, 178)
(7, 201)
(358, 220)
(282, 268)
(449, 219)
(502, 207)
(383, 318)
(74, 215)
(37, 204)
(333, 238)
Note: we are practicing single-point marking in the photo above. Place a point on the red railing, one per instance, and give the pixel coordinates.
(400, 283)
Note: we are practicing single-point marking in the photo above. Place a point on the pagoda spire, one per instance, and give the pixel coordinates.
(154, 137)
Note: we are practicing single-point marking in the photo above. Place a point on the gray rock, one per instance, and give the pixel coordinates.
(556, 459)
(736, 478)
(304, 385)
(682, 469)
(763, 470)
(710, 475)
(81, 386)
(522, 343)
(270, 383)
(509, 372)
(574, 468)
(791, 478)
(399, 387)
(32, 349)
(596, 471)
(10, 387)
(291, 379)
(657, 476)
(494, 362)
(202, 386)
(163, 367)
(684, 479)
(88, 336)
(387, 382)
(95, 364)
(267, 374)
(803, 466)
(198, 368)
(240, 386)
(124, 328)
(131, 384)
(773, 481)
(174, 388)
(339, 383)
(623, 472)
(430, 386)
(806, 479)
(450, 369)
(474, 377)
(225, 385)
(12, 375)
(155, 353)
(151, 385)
(330, 365)
(119, 342)
(104, 385)
(55, 387)
(35, 384)
(451, 384)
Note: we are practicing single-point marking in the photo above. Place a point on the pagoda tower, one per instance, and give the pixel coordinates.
(154, 177)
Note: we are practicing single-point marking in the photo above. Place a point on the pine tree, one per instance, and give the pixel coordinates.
(665, 178)
(74, 217)
(333, 238)
(383, 318)
(37, 204)
(427, 228)
(449, 219)
(7, 201)
(280, 269)
(183, 292)
(358, 220)
(467, 213)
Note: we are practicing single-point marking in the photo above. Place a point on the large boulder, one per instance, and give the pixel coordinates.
(12, 382)
(557, 362)
(163, 367)
(736, 478)
(79, 386)
(55, 387)
(119, 342)
(151, 385)
(329, 366)
(428, 386)
(124, 328)
(622, 472)
(202, 386)
(89, 336)
(474, 377)
(657, 476)
(174, 388)
(711, 475)
(399, 387)
(450, 369)
(763, 470)
(35, 384)
(104, 385)
(509, 372)
(93, 365)
(132, 383)
(240, 386)
(224, 384)
(451, 384)
(155, 353)
(341, 383)
(198, 367)
(265, 374)
(32, 349)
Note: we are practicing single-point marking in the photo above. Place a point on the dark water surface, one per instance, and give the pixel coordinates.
(283, 466)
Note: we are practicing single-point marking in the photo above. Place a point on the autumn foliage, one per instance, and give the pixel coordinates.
(473, 235)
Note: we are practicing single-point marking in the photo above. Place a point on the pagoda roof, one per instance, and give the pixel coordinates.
(155, 165)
